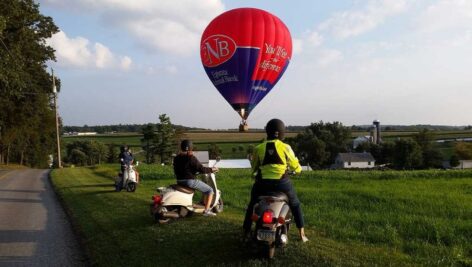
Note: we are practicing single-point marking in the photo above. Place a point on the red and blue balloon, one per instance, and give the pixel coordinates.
(245, 51)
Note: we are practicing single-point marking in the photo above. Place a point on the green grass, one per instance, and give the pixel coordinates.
(353, 218)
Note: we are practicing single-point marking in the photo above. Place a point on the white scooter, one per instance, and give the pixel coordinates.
(175, 201)
(127, 180)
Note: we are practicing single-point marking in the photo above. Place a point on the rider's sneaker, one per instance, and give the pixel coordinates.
(304, 239)
(208, 213)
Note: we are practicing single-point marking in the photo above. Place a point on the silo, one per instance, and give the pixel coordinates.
(377, 126)
(373, 134)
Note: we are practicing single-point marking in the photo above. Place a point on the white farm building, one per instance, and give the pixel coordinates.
(354, 160)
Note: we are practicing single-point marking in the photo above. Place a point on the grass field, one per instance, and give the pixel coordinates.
(353, 218)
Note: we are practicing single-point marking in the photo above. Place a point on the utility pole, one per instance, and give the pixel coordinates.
(54, 90)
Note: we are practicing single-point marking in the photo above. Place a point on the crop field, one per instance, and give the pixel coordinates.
(134, 139)
(353, 218)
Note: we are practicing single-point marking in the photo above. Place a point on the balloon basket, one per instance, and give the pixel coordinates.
(243, 127)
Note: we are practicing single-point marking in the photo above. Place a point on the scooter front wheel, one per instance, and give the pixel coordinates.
(131, 187)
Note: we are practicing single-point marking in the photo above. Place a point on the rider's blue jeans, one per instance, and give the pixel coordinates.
(196, 184)
(262, 186)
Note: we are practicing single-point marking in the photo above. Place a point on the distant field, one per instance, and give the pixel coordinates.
(198, 137)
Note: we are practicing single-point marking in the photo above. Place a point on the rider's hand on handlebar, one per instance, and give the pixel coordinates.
(214, 169)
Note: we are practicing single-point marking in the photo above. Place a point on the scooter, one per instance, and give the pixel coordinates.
(175, 201)
(127, 180)
(272, 217)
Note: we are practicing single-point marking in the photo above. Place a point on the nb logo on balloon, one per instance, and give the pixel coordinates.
(217, 49)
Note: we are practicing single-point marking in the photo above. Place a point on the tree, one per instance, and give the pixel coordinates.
(387, 151)
(320, 143)
(407, 154)
(27, 119)
(454, 161)
(112, 155)
(463, 150)
(164, 140)
(310, 150)
(432, 156)
(214, 151)
(89, 152)
(149, 134)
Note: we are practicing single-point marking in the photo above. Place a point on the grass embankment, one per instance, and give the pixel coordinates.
(13, 166)
(352, 219)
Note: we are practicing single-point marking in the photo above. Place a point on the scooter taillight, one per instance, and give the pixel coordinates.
(157, 199)
(268, 216)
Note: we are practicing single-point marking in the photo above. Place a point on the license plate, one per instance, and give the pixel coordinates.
(266, 235)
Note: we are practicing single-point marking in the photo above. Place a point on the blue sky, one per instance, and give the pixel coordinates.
(399, 61)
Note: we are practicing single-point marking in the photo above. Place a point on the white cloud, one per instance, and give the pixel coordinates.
(297, 46)
(78, 52)
(355, 22)
(315, 38)
(329, 56)
(164, 25)
(125, 63)
(171, 69)
(446, 15)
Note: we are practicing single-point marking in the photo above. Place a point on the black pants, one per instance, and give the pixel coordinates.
(263, 186)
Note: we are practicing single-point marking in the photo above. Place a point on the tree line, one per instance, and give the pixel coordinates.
(119, 128)
(159, 142)
(27, 115)
(319, 144)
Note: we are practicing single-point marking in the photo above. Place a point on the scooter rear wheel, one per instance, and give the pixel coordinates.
(161, 220)
(270, 250)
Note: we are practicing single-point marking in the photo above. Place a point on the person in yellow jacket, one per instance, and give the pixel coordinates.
(271, 162)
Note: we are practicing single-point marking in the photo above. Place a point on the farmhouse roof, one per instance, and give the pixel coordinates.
(356, 157)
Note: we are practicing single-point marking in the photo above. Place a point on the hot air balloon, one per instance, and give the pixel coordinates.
(245, 51)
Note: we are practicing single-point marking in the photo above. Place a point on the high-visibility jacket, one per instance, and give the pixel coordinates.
(271, 159)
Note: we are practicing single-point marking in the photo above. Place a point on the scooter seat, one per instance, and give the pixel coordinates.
(183, 189)
(275, 195)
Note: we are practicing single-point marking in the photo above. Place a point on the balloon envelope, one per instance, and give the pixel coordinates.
(245, 51)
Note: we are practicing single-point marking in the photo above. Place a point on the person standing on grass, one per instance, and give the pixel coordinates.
(186, 166)
(270, 163)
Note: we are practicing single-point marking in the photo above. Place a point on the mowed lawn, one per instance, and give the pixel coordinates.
(353, 218)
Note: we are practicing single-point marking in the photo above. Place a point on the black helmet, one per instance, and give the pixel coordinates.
(186, 145)
(275, 129)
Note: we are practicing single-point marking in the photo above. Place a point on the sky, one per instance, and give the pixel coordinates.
(402, 62)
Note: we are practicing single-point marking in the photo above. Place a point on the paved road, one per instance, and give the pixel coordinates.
(34, 230)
